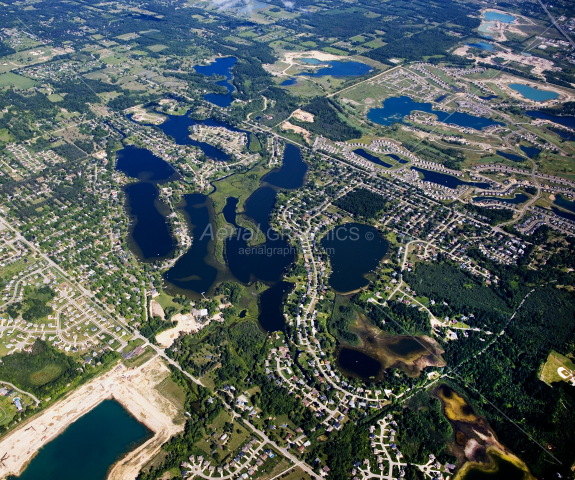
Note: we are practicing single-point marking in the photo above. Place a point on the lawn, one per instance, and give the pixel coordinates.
(554, 361)
(46, 374)
(173, 392)
(55, 98)
(13, 80)
(157, 48)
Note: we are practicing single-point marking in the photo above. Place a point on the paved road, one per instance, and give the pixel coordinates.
(22, 391)
(556, 24)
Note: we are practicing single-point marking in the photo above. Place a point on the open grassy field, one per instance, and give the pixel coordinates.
(13, 80)
(555, 360)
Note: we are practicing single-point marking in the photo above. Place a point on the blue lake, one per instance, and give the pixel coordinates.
(482, 46)
(288, 82)
(529, 151)
(562, 202)
(89, 446)
(149, 235)
(510, 156)
(488, 97)
(563, 214)
(439, 99)
(338, 69)
(566, 121)
(533, 93)
(516, 200)
(221, 66)
(447, 180)
(396, 108)
(501, 17)
(178, 127)
(372, 158)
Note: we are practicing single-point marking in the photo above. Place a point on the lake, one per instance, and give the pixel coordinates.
(89, 446)
(529, 151)
(565, 120)
(178, 127)
(500, 17)
(395, 109)
(288, 82)
(510, 156)
(447, 180)
(196, 270)
(149, 235)
(358, 363)
(482, 46)
(372, 158)
(220, 66)
(336, 68)
(144, 165)
(534, 94)
(271, 316)
(516, 200)
(562, 202)
(563, 214)
(354, 250)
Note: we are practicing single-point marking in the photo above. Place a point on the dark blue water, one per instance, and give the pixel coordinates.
(89, 446)
(358, 364)
(562, 202)
(510, 156)
(292, 172)
(195, 270)
(566, 135)
(566, 121)
(221, 66)
(563, 214)
(339, 69)
(372, 158)
(530, 151)
(354, 250)
(482, 46)
(271, 316)
(488, 97)
(447, 180)
(516, 200)
(439, 99)
(178, 127)
(144, 165)
(150, 236)
(288, 82)
(396, 108)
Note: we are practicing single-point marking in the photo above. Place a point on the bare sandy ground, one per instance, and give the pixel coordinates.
(132, 388)
(290, 126)
(156, 310)
(303, 116)
(186, 324)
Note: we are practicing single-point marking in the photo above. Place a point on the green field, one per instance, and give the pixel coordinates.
(13, 80)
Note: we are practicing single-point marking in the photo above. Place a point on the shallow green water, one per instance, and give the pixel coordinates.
(89, 446)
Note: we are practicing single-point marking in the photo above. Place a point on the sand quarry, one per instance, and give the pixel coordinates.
(186, 324)
(133, 388)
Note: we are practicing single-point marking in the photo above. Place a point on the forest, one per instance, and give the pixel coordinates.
(326, 121)
(362, 203)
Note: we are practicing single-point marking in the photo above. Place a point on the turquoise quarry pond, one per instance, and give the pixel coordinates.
(89, 446)
(533, 93)
(501, 17)
(396, 108)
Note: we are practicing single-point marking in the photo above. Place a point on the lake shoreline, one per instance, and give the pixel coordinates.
(23, 444)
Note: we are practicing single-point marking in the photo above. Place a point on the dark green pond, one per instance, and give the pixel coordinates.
(406, 346)
(89, 446)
